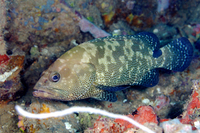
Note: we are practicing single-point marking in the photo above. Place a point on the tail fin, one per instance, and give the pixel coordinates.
(178, 54)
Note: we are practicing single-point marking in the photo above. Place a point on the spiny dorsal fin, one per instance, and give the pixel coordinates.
(150, 40)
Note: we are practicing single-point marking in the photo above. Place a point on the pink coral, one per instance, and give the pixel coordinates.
(87, 26)
(161, 101)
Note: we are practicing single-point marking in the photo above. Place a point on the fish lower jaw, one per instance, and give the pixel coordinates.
(43, 94)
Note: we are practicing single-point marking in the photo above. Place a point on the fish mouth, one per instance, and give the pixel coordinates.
(47, 93)
(43, 93)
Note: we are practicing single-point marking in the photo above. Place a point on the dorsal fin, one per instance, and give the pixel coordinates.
(112, 38)
(150, 40)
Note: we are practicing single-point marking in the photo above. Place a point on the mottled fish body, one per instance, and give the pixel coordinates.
(99, 67)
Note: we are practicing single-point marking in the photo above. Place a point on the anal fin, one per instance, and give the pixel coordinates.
(150, 79)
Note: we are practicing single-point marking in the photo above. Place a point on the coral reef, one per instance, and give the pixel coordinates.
(176, 126)
(11, 62)
(10, 79)
(103, 125)
(160, 102)
(34, 34)
(192, 107)
(146, 115)
(143, 115)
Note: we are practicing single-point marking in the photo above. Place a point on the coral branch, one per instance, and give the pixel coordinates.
(87, 26)
(80, 109)
(84, 24)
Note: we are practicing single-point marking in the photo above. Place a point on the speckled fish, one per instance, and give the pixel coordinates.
(98, 68)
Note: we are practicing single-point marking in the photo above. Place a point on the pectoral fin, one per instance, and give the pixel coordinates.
(106, 96)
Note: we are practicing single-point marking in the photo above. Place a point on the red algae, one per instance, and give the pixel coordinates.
(194, 104)
(125, 123)
(103, 125)
(143, 115)
(4, 58)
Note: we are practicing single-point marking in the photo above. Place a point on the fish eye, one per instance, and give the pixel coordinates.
(55, 77)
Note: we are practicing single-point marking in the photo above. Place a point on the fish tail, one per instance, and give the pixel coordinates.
(178, 54)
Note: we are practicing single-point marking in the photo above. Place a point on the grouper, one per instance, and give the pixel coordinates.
(98, 68)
